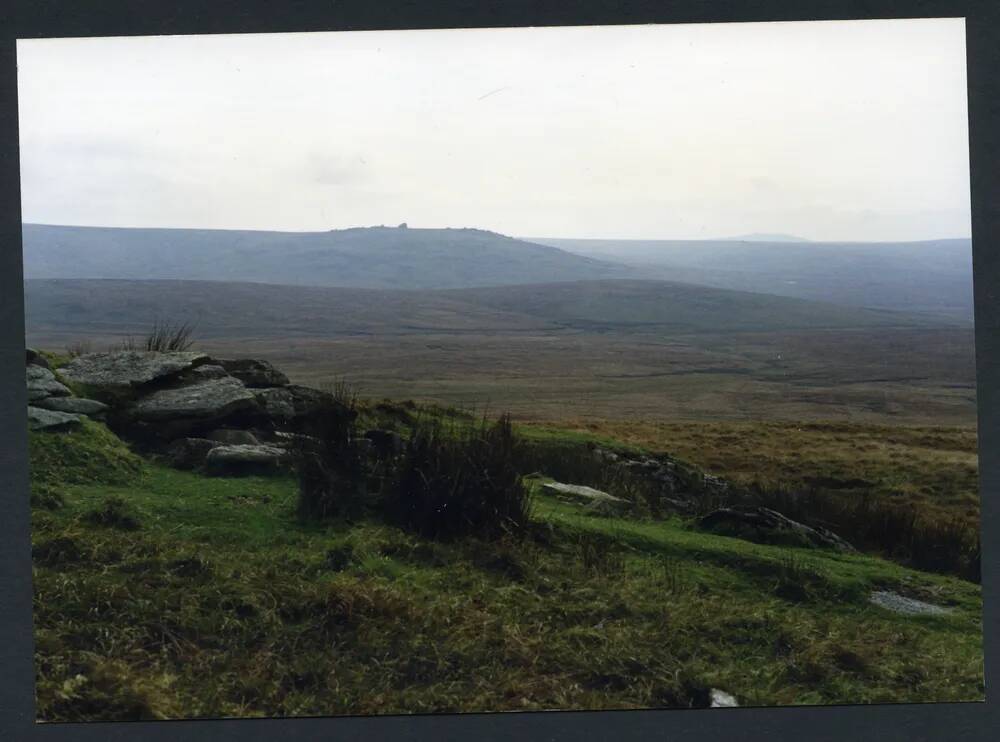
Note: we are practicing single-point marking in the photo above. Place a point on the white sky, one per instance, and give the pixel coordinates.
(830, 130)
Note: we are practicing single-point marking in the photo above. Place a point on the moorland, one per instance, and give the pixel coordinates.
(838, 410)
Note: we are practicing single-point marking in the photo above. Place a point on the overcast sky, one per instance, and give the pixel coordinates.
(829, 130)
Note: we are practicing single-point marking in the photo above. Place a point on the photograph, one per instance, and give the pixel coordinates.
(473, 370)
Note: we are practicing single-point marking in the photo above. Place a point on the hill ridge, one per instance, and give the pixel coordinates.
(367, 257)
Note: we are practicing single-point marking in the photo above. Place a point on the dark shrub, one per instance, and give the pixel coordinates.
(330, 466)
(459, 482)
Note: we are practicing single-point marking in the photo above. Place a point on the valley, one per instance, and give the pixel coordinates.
(619, 349)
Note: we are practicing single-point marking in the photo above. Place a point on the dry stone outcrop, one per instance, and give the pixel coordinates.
(213, 399)
(769, 526)
(254, 373)
(51, 405)
(116, 372)
(221, 416)
(39, 419)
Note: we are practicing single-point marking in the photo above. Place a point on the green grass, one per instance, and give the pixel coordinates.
(91, 454)
(214, 599)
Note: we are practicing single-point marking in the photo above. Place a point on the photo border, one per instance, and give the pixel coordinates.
(51, 18)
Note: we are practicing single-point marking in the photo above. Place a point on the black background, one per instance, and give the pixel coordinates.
(49, 18)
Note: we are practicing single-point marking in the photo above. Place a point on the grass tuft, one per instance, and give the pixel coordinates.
(456, 483)
(114, 513)
(165, 337)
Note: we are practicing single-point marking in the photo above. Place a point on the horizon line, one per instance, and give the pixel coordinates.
(737, 238)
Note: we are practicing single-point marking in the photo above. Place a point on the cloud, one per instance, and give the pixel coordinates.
(332, 170)
(623, 131)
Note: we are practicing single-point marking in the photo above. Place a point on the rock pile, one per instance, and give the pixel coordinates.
(677, 487)
(51, 404)
(220, 416)
(769, 526)
(683, 491)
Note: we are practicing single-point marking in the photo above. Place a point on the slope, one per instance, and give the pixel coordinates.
(933, 276)
(375, 257)
(234, 310)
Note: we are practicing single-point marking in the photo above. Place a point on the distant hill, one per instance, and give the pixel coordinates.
(374, 257)
(675, 308)
(933, 276)
(766, 237)
(231, 310)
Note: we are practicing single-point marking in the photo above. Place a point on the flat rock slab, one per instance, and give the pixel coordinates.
(768, 526)
(719, 699)
(38, 373)
(292, 441)
(208, 371)
(295, 403)
(209, 399)
(230, 437)
(254, 373)
(582, 493)
(907, 606)
(39, 419)
(244, 459)
(36, 395)
(42, 383)
(74, 405)
(278, 404)
(122, 370)
(189, 453)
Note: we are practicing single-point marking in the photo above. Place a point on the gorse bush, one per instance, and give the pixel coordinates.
(459, 482)
(164, 337)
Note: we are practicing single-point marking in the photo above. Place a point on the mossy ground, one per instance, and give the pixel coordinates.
(208, 597)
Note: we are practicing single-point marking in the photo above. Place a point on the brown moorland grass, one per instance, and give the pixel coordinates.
(934, 467)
